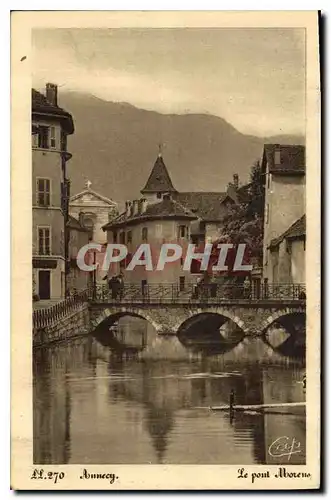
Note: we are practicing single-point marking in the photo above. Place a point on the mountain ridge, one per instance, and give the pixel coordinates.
(115, 146)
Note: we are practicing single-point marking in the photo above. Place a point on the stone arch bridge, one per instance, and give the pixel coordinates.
(169, 312)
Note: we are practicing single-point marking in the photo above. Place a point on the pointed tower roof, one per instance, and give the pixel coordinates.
(159, 180)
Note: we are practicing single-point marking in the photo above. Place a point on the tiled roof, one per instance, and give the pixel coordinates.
(292, 159)
(206, 205)
(296, 231)
(41, 105)
(159, 179)
(165, 209)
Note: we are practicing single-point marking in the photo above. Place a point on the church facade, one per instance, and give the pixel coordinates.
(92, 211)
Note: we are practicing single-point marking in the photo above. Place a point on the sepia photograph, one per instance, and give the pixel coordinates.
(168, 251)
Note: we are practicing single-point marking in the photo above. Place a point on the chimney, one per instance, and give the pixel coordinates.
(277, 155)
(51, 93)
(236, 181)
(143, 205)
(135, 207)
(128, 208)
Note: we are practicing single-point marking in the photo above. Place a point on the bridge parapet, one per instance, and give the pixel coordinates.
(213, 294)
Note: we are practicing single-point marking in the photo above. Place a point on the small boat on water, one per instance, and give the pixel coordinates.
(257, 407)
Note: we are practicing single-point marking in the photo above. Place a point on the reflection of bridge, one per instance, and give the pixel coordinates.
(169, 307)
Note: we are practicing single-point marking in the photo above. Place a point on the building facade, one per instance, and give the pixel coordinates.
(154, 224)
(284, 170)
(51, 126)
(164, 215)
(78, 237)
(93, 211)
(287, 254)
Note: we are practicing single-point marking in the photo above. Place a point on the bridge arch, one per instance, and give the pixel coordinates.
(277, 315)
(220, 311)
(119, 312)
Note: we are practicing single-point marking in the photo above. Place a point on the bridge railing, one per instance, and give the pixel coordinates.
(211, 293)
(47, 316)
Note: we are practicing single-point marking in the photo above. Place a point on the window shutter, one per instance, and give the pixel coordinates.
(52, 137)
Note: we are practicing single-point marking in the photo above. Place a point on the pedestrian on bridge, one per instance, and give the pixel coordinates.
(247, 288)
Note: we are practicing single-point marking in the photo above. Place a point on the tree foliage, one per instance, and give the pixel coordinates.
(243, 221)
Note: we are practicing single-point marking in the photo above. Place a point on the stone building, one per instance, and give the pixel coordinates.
(157, 223)
(164, 215)
(209, 207)
(284, 168)
(287, 254)
(78, 237)
(93, 211)
(51, 126)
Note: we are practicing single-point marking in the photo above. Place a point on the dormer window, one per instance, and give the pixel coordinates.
(159, 196)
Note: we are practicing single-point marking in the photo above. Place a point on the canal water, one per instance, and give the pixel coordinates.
(93, 404)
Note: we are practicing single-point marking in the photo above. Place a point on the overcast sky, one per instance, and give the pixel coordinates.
(253, 78)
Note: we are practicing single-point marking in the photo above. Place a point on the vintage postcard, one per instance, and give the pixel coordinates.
(166, 240)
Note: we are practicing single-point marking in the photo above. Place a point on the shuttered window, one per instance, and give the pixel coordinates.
(52, 137)
(43, 133)
(44, 241)
(43, 192)
(182, 231)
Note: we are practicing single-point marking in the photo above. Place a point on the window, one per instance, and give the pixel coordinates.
(129, 237)
(144, 234)
(43, 192)
(89, 225)
(122, 237)
(35, 136)
(182, 231)
(44, 242)
(115, 237)
(43, 137)
(52, 137)
(159, 196)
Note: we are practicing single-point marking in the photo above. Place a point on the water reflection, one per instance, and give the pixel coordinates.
(92, 406)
